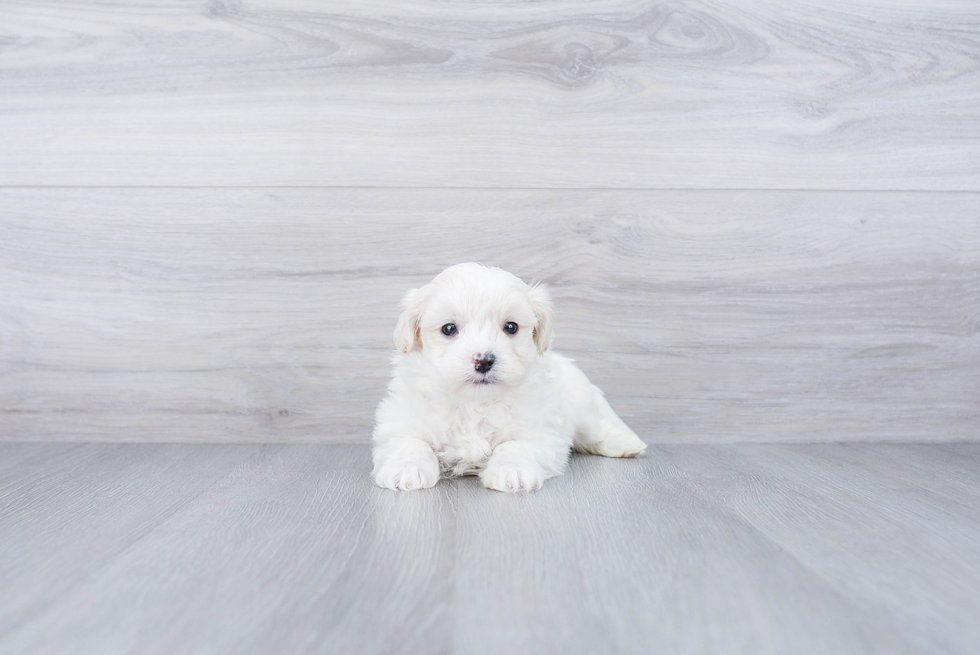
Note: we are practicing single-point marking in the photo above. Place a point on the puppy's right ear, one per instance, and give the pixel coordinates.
(407, 331)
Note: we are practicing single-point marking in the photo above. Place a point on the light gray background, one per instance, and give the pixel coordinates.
(760, 221)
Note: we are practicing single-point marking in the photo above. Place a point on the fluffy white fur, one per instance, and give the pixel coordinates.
(513, 425)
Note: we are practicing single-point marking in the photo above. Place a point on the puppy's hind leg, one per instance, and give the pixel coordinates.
(599, 431)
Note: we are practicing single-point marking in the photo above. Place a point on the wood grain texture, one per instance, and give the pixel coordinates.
(761, 549)
(866, 534)
(294, 550)
(683, 94)
(66, 511)
(266, 315)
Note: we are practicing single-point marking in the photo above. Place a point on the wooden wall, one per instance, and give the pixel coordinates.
(760, 220)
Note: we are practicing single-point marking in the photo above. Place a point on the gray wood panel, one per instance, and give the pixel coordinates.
(68, 510)
(685, 94)
(888, 544)
(266, 314)
(293, 550)
(828, 548)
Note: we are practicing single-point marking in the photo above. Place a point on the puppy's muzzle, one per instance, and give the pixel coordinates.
(483, 364)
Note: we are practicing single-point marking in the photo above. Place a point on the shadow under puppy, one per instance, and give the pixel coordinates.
(476, 389)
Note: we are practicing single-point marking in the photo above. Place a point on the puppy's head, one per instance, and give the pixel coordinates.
(478, 327)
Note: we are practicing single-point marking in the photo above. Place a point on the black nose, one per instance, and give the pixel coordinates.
(485, 363)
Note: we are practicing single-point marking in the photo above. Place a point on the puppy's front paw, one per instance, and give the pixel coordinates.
(512, 477)
(400, 475)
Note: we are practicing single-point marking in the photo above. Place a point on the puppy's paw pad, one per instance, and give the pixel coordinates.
(407, 476)
(510, 479)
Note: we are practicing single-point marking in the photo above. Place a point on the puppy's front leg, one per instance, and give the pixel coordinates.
(405, 464)
(524, 465)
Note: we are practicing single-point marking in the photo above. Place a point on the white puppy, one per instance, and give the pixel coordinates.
(476, 390)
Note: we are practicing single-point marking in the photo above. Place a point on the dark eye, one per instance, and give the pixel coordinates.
(449, 329)
(510, 328)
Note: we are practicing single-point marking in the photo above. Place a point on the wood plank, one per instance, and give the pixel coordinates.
(951, 472)
(266, 315)
(66, 515)
(689, 94)
(693, 548)
(629, 556)
(19, 457)
(294, 550)
(899, 549)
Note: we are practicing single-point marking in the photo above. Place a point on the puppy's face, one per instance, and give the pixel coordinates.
(478, 328)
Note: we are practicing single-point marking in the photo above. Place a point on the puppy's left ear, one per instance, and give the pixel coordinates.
(407, 334)
(541, 304)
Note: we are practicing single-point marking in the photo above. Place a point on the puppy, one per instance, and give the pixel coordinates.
(476, 389)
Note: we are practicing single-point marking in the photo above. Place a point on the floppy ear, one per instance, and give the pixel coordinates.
(407, 337)
(541, 304)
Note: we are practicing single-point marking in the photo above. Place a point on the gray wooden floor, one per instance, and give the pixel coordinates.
(178, 548)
